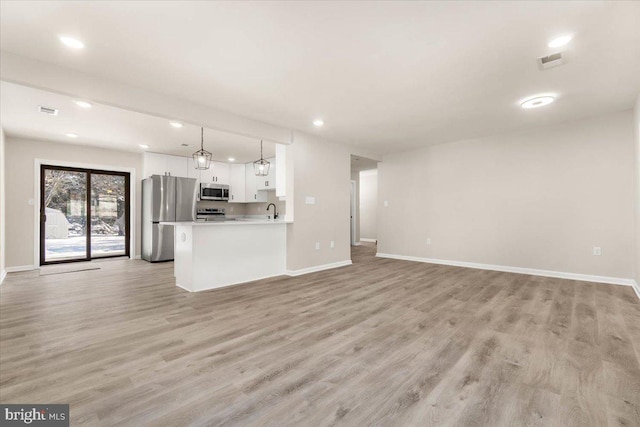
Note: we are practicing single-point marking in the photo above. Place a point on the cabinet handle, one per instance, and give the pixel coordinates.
(255, 196)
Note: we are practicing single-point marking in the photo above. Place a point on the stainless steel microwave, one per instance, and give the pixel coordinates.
(210, 191)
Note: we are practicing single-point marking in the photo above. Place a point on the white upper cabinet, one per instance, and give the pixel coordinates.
(244, 185)
(237, 184)
(162, 164)
(177, 166)
(252, 194)
(192, 172)
(267, 182)
(217, 172)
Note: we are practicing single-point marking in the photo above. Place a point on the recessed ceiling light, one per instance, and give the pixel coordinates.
(538, 101)
(83, 104)
(560, 41)
(71, 42)
(72, 135)
(143, 146)
(231, 159)
(176, 124)
(318, 122)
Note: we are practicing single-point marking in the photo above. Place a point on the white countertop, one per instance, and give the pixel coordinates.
(233, 222)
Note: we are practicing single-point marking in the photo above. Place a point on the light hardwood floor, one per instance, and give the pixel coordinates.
(383, 342)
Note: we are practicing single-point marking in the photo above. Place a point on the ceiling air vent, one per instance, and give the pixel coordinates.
(48, 110)
(552, 60)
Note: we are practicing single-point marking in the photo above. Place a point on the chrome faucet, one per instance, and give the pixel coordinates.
(275, 210)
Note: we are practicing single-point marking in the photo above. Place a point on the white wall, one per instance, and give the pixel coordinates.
(636, 115)
(540, 199)
(20, 174)
(2, 207)
(321, 170)
(369, 204)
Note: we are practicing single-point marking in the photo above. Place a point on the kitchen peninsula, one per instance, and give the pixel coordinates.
(215, 254)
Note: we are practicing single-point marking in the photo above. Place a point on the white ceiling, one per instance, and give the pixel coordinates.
(385, 76)
(115, 128)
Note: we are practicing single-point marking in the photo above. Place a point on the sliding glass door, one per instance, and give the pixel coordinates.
(109, 214)
(63, 214)
(84, 214)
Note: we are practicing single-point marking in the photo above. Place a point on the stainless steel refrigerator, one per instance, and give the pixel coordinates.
(164, 199)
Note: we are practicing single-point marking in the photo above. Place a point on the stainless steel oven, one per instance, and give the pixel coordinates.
(210, 191)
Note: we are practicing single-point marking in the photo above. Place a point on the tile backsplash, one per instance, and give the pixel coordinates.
(233, 209)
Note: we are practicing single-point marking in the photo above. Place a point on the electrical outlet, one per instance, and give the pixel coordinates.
(386, 203)
(317, 246)
(333, 244)
(597, 251)
(429, 241)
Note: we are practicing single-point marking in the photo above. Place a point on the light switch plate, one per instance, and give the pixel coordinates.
(310, 200)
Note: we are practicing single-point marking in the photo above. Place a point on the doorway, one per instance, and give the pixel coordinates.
(362, 167)
(84, 214)
(353, 212)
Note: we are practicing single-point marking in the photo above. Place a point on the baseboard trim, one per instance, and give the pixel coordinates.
(182, 287)
(227, 285)
(3, 274)
(636, 287)
(362, 239)
(137, 257)
(518, 270)
(357, 244)
(318, 268)
(21, 268)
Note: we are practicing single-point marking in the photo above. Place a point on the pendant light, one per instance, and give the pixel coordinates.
(261, 167)
(202, 158)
